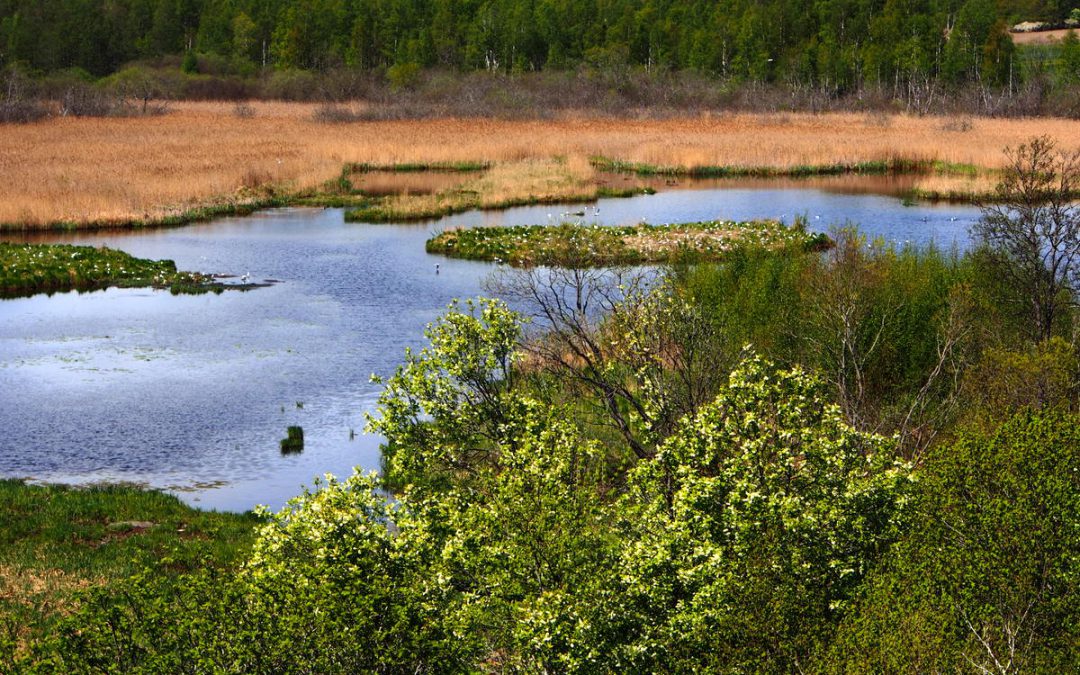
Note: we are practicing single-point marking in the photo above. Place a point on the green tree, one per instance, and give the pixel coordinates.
(244, 32)
(988, 578)
(1069, 56)
(442, 412)
(748, 535)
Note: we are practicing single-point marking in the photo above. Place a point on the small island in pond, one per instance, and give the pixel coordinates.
(27, 269)
(574, 245)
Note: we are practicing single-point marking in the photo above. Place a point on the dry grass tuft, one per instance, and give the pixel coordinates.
(29, 586)
(954, 187)
(81, 170)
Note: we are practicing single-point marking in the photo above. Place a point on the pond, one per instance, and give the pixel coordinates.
(194, 393)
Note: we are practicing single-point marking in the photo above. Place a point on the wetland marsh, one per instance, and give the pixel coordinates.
(194, 393)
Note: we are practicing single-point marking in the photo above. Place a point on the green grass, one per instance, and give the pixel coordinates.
(417, 167)
(26, 269)
(570, 245)
(893, 166)
(56, 542)
(956, 168)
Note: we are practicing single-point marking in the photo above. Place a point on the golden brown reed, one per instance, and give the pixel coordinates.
(200, 153)
(958, 187)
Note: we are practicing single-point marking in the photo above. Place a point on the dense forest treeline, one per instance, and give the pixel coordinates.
(835, 44)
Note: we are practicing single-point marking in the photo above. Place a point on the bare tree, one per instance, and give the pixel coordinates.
(844, 327)
(847, 328)
(1032, 229)
(645, 356)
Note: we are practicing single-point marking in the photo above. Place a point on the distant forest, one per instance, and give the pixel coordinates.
(832, 44)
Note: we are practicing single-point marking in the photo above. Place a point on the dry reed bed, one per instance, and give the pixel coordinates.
(82, 170)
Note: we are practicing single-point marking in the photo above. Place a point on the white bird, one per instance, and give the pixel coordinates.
(245, 277)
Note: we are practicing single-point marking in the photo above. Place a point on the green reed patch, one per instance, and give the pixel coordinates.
(890, 166)
(415, 167)
(26, 269)
(293, 443)
(573, 245)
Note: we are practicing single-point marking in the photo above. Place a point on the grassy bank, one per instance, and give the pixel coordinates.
(26, 269)
(878, 167)
(170, 218)
(56, 542)
(573, 245)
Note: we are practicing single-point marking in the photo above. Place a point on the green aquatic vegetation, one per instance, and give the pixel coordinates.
(956, 168)
(26, 269)
(293, 442)
(571, 245)
(890, 166)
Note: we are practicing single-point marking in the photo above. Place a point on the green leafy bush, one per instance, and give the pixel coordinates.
(987, 579)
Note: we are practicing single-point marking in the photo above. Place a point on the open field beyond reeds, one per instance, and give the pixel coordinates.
(136, 170)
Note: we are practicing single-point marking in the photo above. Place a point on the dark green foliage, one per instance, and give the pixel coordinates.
(828, 45)
(898, 166)
(293, 442)
(756, 297)
(988, 577)
(190, 64)
(1069, 70)
(326, 590)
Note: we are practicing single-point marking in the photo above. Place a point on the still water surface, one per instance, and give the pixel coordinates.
(193, 393)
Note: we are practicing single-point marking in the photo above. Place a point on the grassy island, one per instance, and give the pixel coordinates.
(572, 245)
(26, 269)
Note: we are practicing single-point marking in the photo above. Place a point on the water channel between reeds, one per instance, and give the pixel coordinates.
(194, 393)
